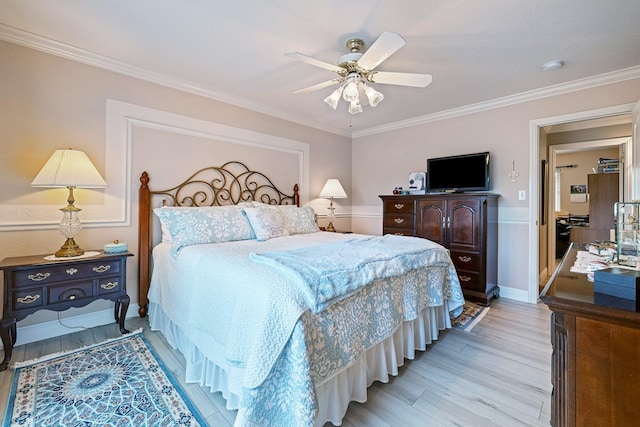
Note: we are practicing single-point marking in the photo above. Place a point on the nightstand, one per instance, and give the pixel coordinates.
(32, 283)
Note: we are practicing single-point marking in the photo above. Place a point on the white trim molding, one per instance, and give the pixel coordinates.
(122, 117)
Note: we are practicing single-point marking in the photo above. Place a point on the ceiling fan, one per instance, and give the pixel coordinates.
(356, 69)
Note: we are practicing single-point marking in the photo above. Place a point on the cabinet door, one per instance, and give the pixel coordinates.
(431, 220)
(464, 224)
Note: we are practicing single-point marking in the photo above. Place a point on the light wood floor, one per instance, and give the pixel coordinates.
(496, 375)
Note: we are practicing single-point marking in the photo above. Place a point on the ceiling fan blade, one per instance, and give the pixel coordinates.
(386, 45)
(401, 79)
(319, 86)
(312, 61)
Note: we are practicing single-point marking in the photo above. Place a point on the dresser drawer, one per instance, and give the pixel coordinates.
(71, 292)
(398, 220)
(466, 260)
(398, 231)
(57, 273)
(470, 280)
(397, 206)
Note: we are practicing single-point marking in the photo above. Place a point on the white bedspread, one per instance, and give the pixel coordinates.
(245, 316)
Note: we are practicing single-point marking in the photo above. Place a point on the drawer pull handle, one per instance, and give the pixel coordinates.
(72, 271)
(38, 276)
(101, 268)
(398, 220)
(464, 258)
(465, 278)
(399, 205)
(109, 286)
(71, 294)
(29, 299)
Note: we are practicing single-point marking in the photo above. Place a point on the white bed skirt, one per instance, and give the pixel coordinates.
(334, 395)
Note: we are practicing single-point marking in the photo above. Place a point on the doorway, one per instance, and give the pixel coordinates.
(539, 152)
(619, 147)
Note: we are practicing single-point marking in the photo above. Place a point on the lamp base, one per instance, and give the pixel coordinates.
(69, 249)
(329, 227)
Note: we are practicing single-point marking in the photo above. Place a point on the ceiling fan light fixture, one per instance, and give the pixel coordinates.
(332, 100)
(357, 68)
(373, 95)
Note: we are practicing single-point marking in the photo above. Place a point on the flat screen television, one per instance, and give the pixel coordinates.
(466, 172)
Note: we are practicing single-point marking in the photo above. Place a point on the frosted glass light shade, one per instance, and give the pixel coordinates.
(69, 168)
(333, 189)
(373, 95)
(350, 92)
(332, 100)
(355, 107)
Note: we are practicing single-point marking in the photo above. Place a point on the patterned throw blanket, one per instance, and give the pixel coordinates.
(328, 273)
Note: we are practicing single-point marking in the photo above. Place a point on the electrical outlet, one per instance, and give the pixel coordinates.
(522, 195)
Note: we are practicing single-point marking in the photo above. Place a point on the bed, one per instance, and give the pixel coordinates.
(288, 322)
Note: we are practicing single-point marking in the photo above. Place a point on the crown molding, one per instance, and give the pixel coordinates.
(532, 95)
(43, 44)
(34, 41)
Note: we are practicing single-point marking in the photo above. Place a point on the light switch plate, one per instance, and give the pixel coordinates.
(522, 195)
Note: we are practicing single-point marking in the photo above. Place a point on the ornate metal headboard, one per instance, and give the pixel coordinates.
(229, 184)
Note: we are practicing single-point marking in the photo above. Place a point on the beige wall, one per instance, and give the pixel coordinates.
(50, 102)
(382, 161)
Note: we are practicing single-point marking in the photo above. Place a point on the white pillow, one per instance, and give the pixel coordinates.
(299, 220)
(197, 225)
(266, 222)
(164, 226)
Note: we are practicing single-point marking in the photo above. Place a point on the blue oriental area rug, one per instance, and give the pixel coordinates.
(120, 382)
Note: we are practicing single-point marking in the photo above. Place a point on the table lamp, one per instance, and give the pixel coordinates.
(72, 169)
(332, 189)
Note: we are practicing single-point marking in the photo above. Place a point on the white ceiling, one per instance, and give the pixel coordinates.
(480, 53)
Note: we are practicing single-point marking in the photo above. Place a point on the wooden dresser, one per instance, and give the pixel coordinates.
(595, 365)
(465, 223)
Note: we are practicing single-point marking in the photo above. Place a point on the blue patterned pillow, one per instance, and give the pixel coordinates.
(199, 225)
(299, 220)
(266, 222)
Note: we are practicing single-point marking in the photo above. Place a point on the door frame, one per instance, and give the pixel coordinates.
(534, 179)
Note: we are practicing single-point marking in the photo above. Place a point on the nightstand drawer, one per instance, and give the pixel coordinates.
(55, 273)
(110, 285)
(399, 220)
(396, 206)
(28, 298)
(71, 292)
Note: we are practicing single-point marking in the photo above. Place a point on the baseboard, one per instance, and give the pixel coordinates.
(54, 328)
(514, 294)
